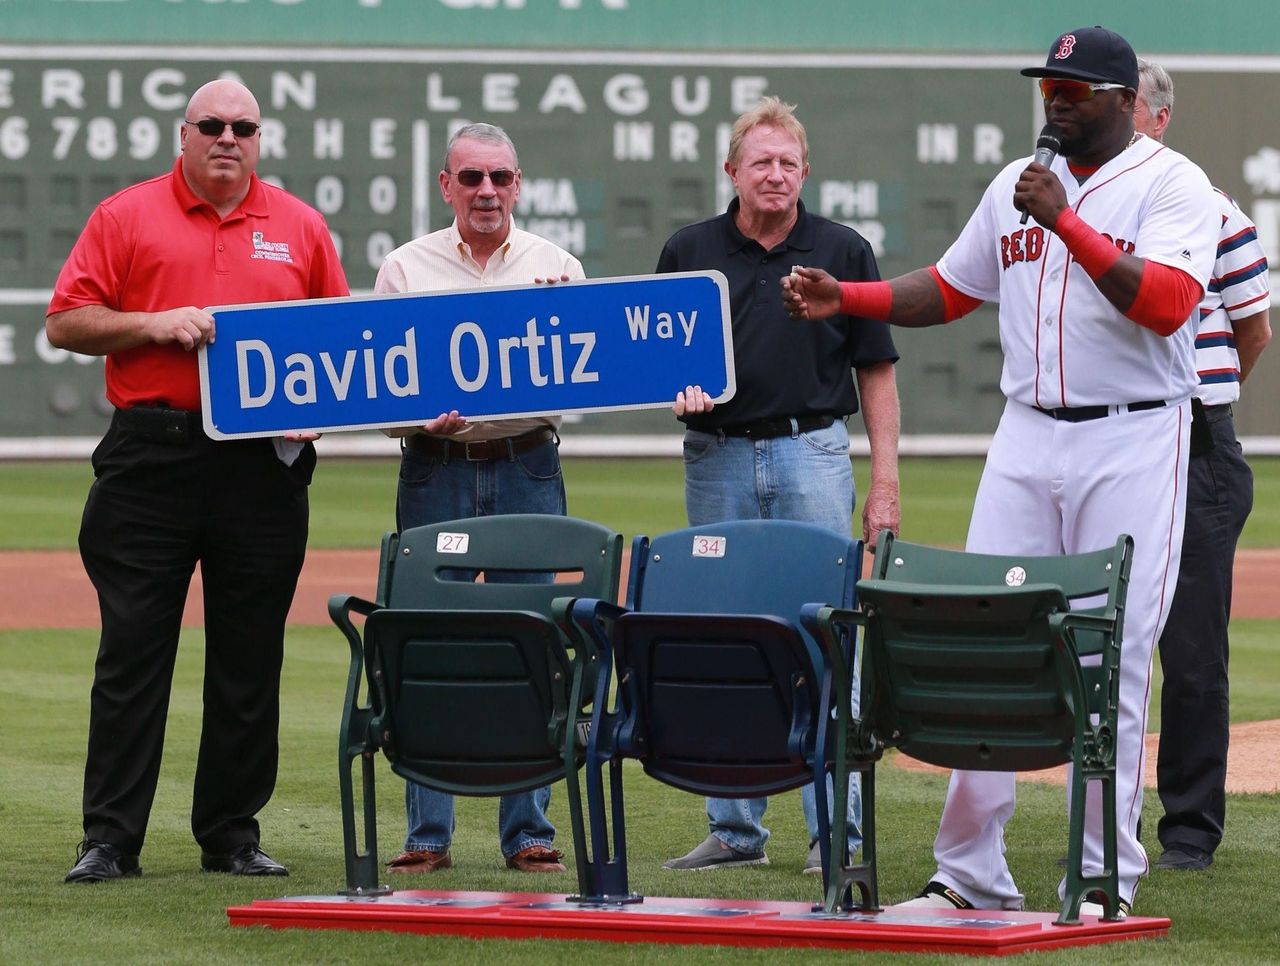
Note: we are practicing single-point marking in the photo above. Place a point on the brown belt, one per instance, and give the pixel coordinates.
(444, 448)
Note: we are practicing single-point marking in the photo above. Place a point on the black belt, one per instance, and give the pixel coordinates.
(1082, 414)
(172, 427)
(769, 428)
(479, 450)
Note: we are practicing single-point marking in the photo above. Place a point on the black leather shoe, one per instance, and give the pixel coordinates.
(248, 859)
(1184, 858)
(99, 861)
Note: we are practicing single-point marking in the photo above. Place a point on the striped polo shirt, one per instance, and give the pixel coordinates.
(1239, 288)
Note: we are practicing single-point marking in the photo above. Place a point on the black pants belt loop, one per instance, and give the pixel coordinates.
(781, 426)
(478, 450)
(1082, 414)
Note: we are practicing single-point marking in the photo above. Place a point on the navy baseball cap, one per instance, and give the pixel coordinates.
(1093, 54)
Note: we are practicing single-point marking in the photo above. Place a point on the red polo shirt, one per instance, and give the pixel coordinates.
(156, 246)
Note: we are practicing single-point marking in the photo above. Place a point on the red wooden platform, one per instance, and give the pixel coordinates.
(726, 922)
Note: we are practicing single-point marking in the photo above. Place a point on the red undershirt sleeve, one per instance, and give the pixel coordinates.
(1166, 297)
(955, 303)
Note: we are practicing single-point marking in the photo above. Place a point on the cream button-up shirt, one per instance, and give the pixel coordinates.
(442, 261)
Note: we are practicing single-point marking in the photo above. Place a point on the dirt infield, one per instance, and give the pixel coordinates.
(49, 589)
(1250, 760)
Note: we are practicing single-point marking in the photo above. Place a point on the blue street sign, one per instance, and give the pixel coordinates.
(399, 360)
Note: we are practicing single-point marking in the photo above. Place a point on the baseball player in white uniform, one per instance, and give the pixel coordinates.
(1096, 291)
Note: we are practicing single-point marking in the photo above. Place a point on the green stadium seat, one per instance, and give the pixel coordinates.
(973, 661)
(469, 685)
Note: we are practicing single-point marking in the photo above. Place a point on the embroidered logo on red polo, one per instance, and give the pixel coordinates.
(269, 250)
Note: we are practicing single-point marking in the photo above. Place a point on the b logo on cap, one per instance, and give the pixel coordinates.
(1064, 49)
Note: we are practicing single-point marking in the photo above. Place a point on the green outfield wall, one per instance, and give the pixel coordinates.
(620, 109)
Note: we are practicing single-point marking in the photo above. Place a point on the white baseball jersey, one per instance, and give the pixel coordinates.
(1239, 288)
(1064, 343)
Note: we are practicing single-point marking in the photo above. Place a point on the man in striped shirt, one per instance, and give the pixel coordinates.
(1194, 712)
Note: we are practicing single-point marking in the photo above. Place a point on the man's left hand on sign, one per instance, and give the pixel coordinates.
(446, 424)
(549, 280)
(692, 400)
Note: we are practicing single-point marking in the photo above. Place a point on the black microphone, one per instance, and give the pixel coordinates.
(1047, 148)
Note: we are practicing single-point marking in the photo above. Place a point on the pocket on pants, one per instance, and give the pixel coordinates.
(833, 441)
(698, 444)
(416, 469)
(541, 463)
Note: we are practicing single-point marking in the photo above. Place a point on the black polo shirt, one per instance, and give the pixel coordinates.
(784, 367)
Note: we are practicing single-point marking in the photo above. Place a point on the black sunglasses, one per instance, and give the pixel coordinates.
(471, 178)
(212, 127)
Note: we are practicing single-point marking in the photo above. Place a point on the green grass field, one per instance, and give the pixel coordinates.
(353, 501)
(176, 914)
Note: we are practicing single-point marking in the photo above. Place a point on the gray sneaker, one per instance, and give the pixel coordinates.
(813, 862)
(714, 854)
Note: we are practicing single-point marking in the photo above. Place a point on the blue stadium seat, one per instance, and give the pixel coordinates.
(720, 690)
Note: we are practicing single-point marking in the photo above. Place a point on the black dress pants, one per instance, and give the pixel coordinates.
(1194, 705)
(154, 511)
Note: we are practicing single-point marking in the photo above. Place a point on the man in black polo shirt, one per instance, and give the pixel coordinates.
(780, 448)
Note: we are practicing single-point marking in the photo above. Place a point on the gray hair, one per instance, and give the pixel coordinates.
(1157, 86)
(771, 112)
(481, 132)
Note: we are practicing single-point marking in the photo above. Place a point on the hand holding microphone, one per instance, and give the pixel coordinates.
(1048, 145)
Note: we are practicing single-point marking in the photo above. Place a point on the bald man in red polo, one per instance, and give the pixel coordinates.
(165, 497)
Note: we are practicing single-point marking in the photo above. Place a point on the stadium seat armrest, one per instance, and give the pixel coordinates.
(828, 625)
(1066, 624)
(587, 619)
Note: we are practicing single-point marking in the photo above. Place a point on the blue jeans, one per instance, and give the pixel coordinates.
(806, 477)
(432, 490)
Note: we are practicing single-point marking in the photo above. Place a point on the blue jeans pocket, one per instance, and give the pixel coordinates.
(833, 441)
(540, 463)
(698, 444)
(416, 469)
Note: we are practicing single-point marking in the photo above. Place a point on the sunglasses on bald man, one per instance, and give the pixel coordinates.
(212, 127)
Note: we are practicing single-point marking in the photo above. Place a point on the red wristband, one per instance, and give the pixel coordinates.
(1094, 251)
(870, 300)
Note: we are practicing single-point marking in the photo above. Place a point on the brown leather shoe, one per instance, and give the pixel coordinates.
(536, 858)
(420, 861)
